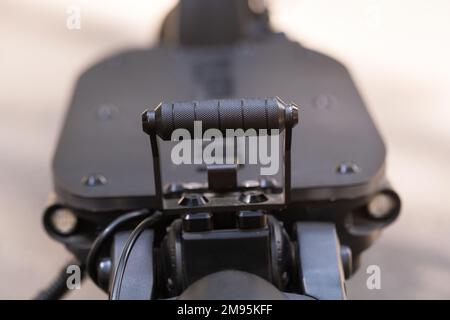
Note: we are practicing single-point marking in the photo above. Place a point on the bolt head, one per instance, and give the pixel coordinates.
(253, 197)
(192, 200)
(347, 168)
(94, 180)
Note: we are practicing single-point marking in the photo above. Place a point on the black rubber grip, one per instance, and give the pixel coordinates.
(243, 114)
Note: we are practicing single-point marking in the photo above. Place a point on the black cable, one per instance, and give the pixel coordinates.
(92, 258)
(58, 287)
(120, 270)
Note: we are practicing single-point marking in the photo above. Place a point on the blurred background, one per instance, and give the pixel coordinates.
(397, 52)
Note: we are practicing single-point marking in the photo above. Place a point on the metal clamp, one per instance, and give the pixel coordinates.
(269, 113)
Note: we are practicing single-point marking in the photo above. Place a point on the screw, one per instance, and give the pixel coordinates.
(192, 200)
(107, 112)
(103, 271)
(94, 180)
(270, 185)
(323, 101)
(173, 190)
(347, 168)
(252, 197)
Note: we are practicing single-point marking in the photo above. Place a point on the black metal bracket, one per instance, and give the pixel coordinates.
(321, 275)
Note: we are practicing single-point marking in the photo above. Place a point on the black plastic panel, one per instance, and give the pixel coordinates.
(102, 133)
